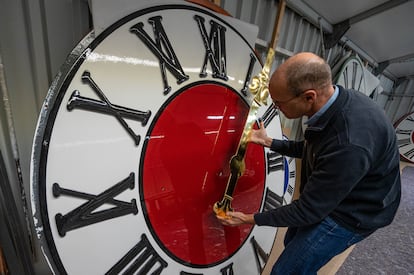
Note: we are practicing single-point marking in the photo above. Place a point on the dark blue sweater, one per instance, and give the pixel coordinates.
(350, 168)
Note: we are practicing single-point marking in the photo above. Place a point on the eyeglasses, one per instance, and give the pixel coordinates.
(278, 103)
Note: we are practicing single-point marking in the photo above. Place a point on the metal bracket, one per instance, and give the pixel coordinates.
(381, 67)
(339, 30)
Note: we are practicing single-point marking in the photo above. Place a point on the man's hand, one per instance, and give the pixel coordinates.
(260, 136)
(236, 218)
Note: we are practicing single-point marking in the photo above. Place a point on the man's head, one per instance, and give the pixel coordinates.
(301, 85)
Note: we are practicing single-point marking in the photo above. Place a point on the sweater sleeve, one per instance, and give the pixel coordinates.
(288, 147)
(335, 174)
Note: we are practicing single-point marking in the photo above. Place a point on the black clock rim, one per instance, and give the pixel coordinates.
(48, 115)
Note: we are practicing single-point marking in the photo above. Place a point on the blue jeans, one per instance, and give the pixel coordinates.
(309, 248)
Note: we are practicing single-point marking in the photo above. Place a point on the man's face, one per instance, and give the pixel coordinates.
(290, 105)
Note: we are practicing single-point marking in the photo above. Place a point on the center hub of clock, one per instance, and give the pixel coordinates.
(185, 171)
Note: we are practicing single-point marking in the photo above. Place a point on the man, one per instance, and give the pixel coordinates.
(350, 178)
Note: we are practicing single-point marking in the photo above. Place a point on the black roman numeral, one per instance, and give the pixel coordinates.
(272, 200)
(290, 189)
(292, 174)
(227, 270)
(410, 118)
(275, 162)
(403, 132)
(270, 113)
(260, 255)
(162, 49)
(105, 106)
(409, 154)
(249, 74)
(404, 142)
(85, 214)
(142, 259)
(215, 45)
(354, 77)
(345, 74)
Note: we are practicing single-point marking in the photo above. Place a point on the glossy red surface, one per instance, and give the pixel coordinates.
(186, 168)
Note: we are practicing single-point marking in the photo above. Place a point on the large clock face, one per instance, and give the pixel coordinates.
(351, 75)
(133, 145)
(404, 128)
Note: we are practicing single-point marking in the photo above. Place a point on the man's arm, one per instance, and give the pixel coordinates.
(284, 147)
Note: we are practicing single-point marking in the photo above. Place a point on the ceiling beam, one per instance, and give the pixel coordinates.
(376, 10)
(339, 29)
(401, 59)
(303, 9)
(384, 64)
(381, 67)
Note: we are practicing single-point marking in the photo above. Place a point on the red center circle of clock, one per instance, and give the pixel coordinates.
(186, 169)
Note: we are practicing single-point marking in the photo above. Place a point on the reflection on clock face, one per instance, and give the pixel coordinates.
(133, 146)
(181, 183)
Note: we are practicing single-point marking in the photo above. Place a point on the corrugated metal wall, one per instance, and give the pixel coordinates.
(35, 38)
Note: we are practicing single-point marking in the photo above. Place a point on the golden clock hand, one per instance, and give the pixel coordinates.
(260, 91)
(259, 88)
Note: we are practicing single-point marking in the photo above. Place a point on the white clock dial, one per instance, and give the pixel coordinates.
(133, 145)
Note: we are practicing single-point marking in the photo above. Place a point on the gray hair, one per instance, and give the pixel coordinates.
(313, 74)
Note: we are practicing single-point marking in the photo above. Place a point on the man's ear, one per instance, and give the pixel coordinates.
(310, 95)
